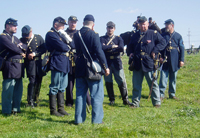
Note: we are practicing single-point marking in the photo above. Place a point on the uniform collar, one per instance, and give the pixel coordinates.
(109, 36)
(8, 33)
(70, 31)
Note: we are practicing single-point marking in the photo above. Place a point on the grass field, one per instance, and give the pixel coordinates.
(174, 118)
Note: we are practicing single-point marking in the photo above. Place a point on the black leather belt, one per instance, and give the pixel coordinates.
(169, 48)
(62, 53)
(144, 54)
(113, 57)
(15, 60)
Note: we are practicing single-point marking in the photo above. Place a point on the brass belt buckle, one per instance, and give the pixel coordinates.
(111, 57)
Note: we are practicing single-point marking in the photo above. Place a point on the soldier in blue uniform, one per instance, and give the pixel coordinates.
(33, 63)
(58, 45)
(71, 30)
(13, 70)
(112, 46)
(144, 45)
(175, 59)
(93, 44)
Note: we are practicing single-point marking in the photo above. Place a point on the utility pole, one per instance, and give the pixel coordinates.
(189, 37)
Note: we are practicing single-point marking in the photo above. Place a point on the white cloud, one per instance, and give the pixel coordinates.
(126, 10)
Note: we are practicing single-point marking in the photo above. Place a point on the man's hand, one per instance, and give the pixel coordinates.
(181, 63)
(161, 60)
(23, 55)
(114, 46)
(31, 56)
(131, 55)
(153, 55)
(107, 72)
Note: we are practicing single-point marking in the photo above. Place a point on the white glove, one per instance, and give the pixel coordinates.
(65, 35)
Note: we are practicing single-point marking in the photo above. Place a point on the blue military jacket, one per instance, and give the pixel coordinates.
(174, 55)
(37, 45)
(112, 54)
(54, 42)
(151, 42)
(93, 44)
(11, 70)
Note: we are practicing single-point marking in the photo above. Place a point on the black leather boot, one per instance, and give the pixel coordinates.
(52, 102)
(124, 94)
(109, 88)
(61, 103)
(30, 95)
(37, 93)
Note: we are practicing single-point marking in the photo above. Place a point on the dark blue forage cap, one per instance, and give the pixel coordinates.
(142, 19)
(26, 30)
(169, 21)
(110, 24)
(89, 17)
(72, 18)
(11, 21)
(60, 20)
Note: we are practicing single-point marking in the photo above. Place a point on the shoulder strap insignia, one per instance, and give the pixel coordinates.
(155, 31)
(96, 33)
(118, 36)
(50, 31)
(3, 34)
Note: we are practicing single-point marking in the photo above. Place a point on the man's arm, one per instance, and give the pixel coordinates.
(104, 45)
(9, 45)
(181, 48)
(99, 52)
(57, 42)
(160, 43)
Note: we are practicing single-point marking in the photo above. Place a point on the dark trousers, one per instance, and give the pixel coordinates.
(69, 91)
(34, 82)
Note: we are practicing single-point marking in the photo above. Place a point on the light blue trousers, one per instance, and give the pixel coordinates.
(137, 87)
(118, 74)
(97, 96)
(172, 82)
(11, 95)
(59, 82)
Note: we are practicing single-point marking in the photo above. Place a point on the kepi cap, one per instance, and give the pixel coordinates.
(89, 17)
(72, 18)
(110, 24)
(60, 20)
(169, 21)
(26, 30)
(142, 19)
(11, 21)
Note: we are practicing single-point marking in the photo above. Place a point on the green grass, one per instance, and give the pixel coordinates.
(174, 118)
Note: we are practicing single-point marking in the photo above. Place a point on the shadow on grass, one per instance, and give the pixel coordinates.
(144, 96)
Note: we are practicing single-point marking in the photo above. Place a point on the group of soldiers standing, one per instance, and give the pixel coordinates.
(144, 45)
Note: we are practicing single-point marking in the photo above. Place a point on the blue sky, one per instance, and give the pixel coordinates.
(39, 14)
